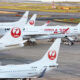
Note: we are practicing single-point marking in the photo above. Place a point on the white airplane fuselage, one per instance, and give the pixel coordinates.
(45, 32)
(53, 31)
(18, 71)
(33, 70)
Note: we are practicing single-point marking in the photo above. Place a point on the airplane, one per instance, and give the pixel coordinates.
(4, 27)
(36, 69)
(12, 39)
(48, 32)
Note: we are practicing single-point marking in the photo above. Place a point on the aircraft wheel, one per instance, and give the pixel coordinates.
(24, 79)
(29, 78)
(71, 43)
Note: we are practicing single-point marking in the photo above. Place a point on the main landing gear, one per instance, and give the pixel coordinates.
(30, 43)
(26, 79)
(70, 41)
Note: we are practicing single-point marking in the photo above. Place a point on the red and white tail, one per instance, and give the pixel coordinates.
(51, 56)
(31, 22)
(13, 37)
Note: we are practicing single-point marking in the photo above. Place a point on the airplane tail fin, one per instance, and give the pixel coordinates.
(50, 58)
(24, 18)
(13, 37)
(31, 22)
(46, 23)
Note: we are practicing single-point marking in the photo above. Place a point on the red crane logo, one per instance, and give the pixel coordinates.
(16, 32)
(31, 22)
(52, 55)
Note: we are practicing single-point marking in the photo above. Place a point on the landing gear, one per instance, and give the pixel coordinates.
(29, 78)
(30, 43)
(26, 79)
(70, 42)
(51, 40)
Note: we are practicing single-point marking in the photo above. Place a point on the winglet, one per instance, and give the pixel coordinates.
(46, 23)
(65, 30)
